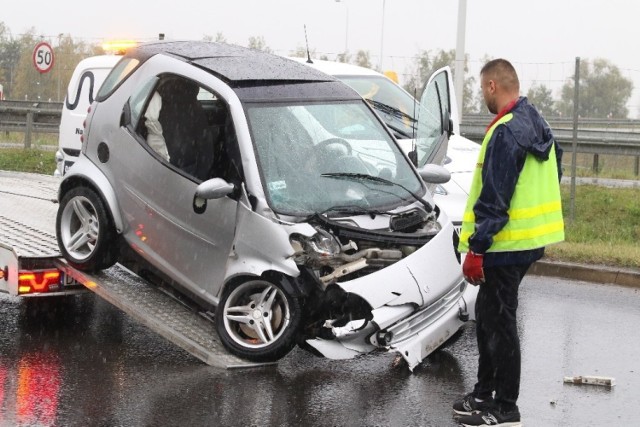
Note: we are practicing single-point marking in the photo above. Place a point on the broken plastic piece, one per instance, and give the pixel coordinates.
(603, 381)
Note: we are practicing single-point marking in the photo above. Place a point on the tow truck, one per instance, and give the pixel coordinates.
(31, 266)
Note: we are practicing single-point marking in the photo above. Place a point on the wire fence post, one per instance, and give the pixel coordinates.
(576, 100)
(27, 134)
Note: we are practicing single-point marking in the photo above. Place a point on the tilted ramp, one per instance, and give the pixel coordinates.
(159, 312)
(27, 224)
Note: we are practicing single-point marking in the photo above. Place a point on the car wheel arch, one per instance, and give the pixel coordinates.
(109, 199)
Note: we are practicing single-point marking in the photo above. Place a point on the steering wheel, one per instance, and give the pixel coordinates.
(323, 144)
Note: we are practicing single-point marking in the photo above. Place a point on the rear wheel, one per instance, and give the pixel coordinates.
(258, 320)
(85, 232)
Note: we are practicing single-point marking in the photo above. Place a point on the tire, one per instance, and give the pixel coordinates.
(86, 235)
(241, 315)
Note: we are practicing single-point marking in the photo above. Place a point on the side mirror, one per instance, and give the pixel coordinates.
(434, 174)
(215, 188)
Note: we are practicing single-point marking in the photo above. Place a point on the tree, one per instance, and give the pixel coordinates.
(219, 38)
(363, 59)
(29, 84)
(259, 43)
(301, 52)
(9, 58)
(344, 57)
(426, 64)
(604, 92)
(540, 96)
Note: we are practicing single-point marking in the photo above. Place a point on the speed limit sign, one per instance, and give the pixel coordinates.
(43, 57)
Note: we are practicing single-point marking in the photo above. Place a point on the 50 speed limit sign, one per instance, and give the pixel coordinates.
(43, 57)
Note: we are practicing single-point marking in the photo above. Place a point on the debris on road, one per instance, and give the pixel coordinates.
(594, 380)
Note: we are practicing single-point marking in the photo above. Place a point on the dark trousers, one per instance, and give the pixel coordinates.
(497, 333)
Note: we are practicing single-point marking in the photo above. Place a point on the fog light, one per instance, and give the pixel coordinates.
(384, 337)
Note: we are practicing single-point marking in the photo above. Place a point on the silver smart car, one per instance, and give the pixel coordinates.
(267, 193)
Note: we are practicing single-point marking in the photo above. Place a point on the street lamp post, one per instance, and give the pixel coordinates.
(460, 56)
(382, 36)
(346, 25)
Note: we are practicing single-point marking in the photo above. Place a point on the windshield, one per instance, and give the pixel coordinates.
(303, 149)
(394, 105)
(399, 110)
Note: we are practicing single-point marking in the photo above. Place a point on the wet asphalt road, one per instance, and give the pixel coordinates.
(89, 364)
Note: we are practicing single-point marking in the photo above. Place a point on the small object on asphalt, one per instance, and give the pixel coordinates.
(553, 402)
(594, 380)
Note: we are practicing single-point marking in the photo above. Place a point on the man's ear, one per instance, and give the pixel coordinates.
(492, 86)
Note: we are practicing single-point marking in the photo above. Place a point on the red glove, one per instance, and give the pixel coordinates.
(472, 268)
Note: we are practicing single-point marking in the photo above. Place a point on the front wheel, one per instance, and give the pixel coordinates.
(86, 235)
(258, 320)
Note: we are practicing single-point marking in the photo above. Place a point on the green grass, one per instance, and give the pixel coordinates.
(37, 139)
(32, 160)
(606, 228)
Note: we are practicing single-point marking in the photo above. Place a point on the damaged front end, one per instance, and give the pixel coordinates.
(384, 281)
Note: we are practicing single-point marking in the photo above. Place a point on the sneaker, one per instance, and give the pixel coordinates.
(492, 417)
(468, 405)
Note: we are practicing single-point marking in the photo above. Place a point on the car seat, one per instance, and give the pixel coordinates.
(184, 127)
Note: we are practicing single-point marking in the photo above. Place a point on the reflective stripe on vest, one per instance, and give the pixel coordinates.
(535, 212)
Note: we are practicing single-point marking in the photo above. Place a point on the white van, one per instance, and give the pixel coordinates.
(83, 87)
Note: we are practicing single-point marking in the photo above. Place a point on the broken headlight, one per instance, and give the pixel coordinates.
(321, 246)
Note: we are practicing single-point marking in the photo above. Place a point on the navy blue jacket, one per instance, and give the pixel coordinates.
(526, 132)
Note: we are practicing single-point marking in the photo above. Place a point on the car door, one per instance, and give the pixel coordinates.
(436, 117)
(166, 225)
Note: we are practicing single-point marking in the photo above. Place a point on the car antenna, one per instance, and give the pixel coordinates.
(309, 61)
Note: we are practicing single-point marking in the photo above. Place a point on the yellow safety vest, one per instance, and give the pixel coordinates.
(535, 212)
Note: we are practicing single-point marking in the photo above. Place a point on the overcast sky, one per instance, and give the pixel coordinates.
(542, 38)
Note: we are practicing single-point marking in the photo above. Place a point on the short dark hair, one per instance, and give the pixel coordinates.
(503, 72)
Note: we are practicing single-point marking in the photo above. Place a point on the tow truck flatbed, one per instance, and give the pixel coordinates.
(28, 208)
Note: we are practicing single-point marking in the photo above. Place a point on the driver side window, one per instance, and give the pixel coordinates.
(185, 125)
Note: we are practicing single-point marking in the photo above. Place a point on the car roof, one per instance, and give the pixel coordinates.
(233, 64)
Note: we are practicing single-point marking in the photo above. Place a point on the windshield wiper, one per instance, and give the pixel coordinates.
(379, 180)
(398, 114)
(390, 110)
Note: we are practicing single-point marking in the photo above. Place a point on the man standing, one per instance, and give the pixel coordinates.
(513, 211)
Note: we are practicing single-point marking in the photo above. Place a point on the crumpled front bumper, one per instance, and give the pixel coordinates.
(418, 303)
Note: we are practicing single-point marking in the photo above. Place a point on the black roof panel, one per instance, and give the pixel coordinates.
(233, 63)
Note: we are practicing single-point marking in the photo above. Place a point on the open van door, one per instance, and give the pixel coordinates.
(437, 118)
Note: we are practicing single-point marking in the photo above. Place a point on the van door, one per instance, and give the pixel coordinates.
(437, 118)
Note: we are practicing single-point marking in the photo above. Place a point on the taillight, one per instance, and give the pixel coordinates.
(38, 281)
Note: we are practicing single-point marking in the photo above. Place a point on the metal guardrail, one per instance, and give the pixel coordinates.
(30, 117)
(595, 136)
(590, 141)
(619, 137)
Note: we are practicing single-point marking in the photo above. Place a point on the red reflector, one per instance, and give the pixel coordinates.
(38, 281)
(81, 138)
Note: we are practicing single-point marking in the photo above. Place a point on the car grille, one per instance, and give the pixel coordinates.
(425, 317)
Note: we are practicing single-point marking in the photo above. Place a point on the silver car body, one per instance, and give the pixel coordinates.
(417, 300)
